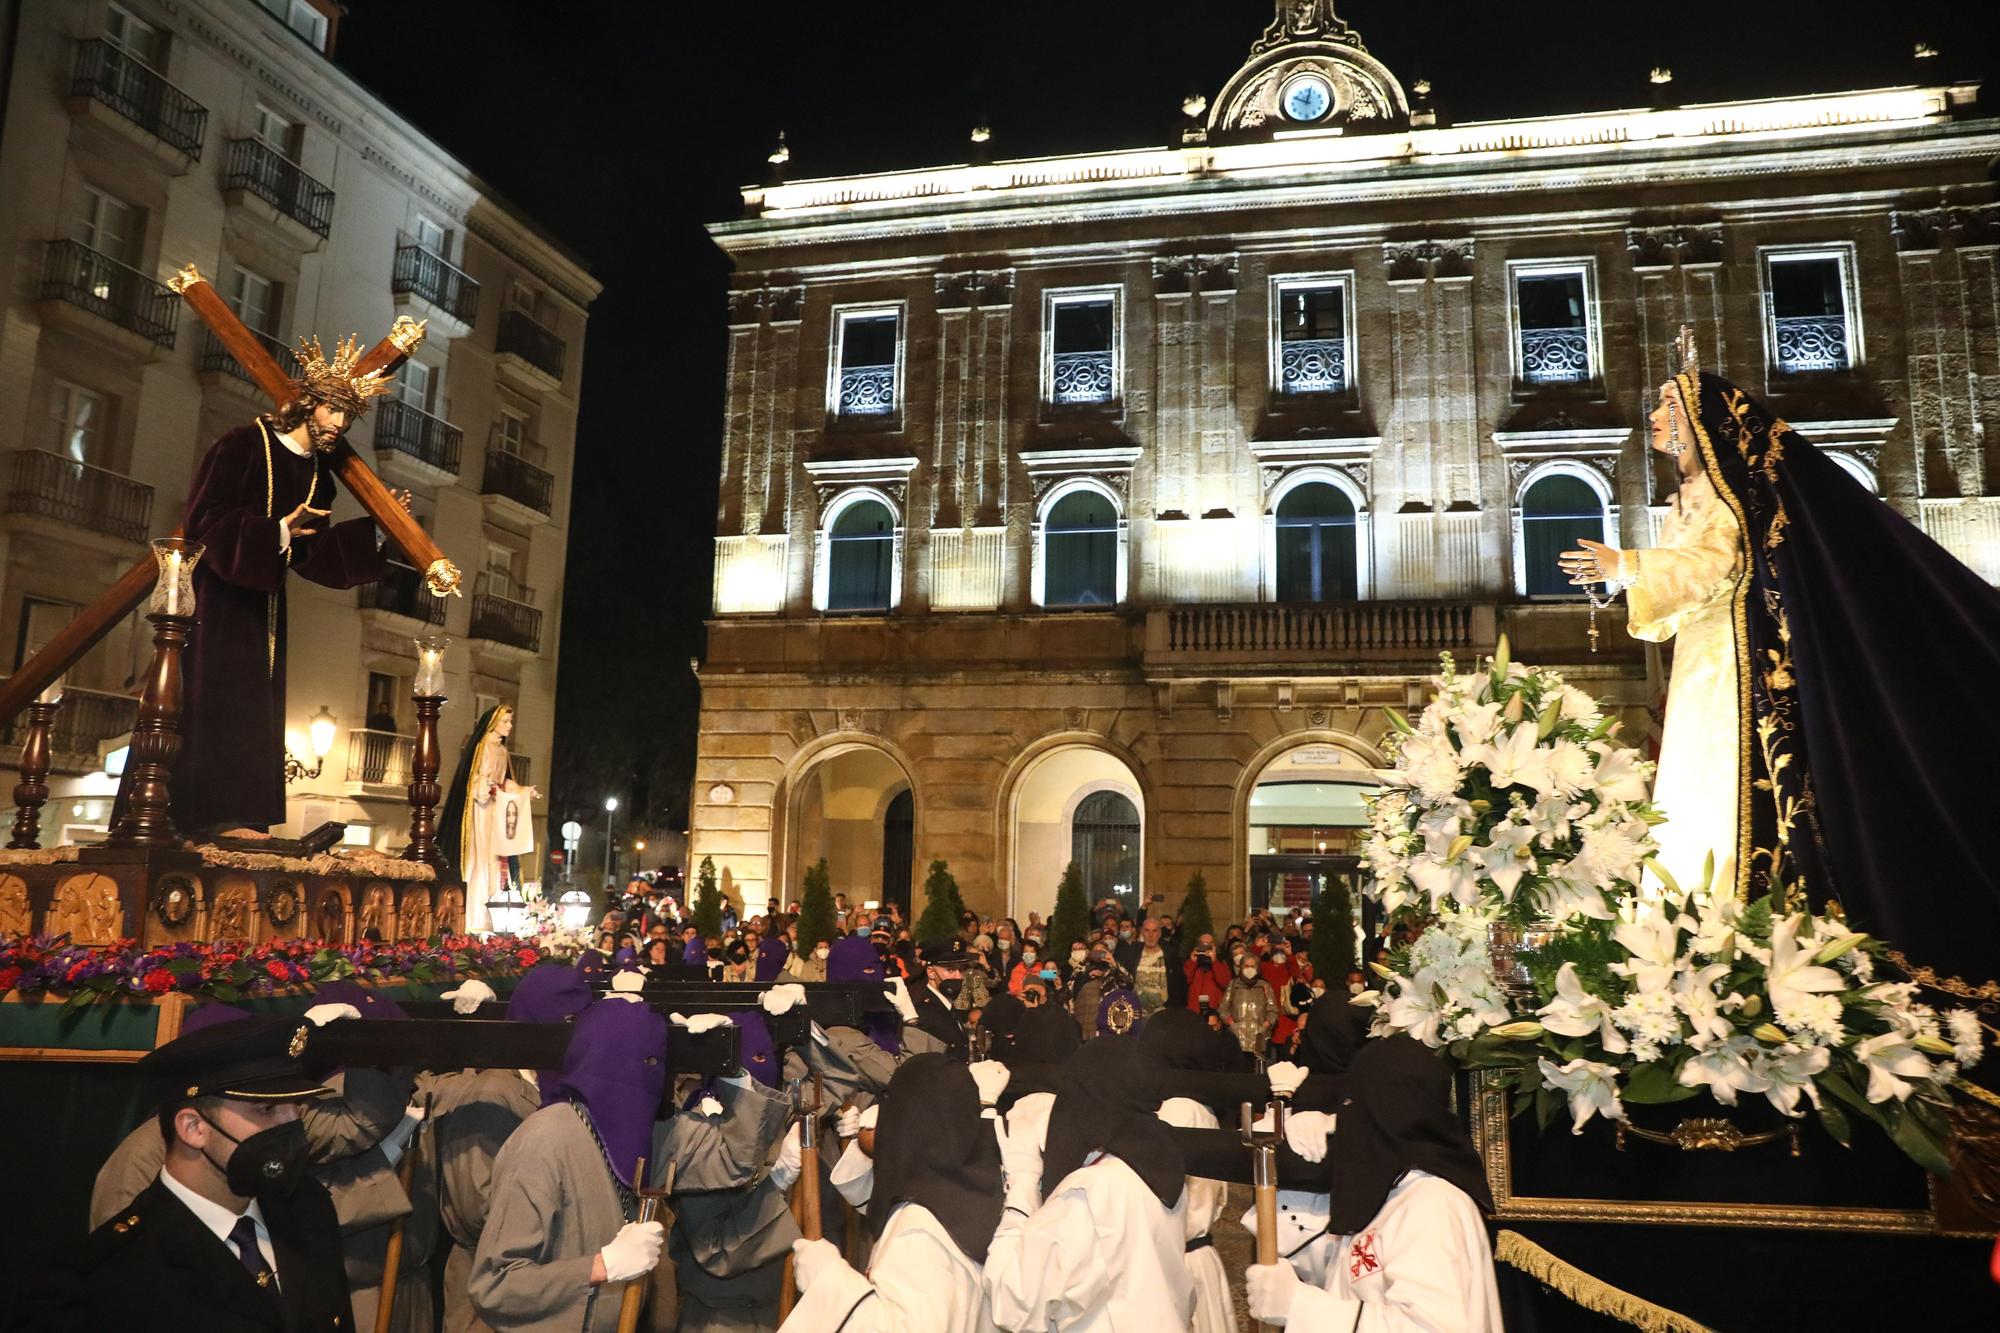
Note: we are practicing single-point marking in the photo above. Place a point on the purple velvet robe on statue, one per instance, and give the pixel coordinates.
(230, 771)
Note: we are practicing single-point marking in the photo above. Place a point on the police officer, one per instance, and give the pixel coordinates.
(233, 1235)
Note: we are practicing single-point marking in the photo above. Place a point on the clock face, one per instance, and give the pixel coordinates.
(1306, 97)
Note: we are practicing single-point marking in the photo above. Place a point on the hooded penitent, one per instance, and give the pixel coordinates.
(1001, 1017)
(1866, 655)
(771, 956)
(616, 1070)
(371, 1003)
(853, 960)
(1183, 1041)
(933, 1148)
(1109, 1102)
(549, 994)
(760, 1054)
(1396, 1117)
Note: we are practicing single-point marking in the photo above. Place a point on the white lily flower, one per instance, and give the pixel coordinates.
(1725, 1070)
(1620, 774)
(1790, 1072)
(1474, 989)
(1568, 896)
(1892, 1061)
(1515, 759)
(1694, 994)
(1654, 943)
(1419, 1008)
(1575, 1012)
(1507, 855)
(1566, 769)
(1475, 723)
(1715, 936)
(1592, 1089)
(1790, 973)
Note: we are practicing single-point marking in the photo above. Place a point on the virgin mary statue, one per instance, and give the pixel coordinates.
(1835, 690)
(486, 825)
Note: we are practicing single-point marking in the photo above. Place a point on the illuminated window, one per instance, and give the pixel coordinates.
(866, 354)
(254, 298)
(1316, 546)
(1310, 318)
(860, 552)
(1556, 510)
(1806, 292)
(76, 420)
(1082, 342)
(136, 38)
(1081, 536)
(1104, 843)
(1554, 338)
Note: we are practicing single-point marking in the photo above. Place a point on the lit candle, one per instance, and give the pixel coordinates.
(174, 583)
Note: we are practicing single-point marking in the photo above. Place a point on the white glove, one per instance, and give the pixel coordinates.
(468, 996)
(1285, 1077)
(899, 995)
(1270, 1288)
(700, 1022)
(785, 1169)
(847, 1124)
(990, 1076)
(708, 1106)
(810, 1258)
(633, 1251)
(322, 1014)
(1021, 1163)
(1308, 1132)
(628, 983)
(782, 999)
(398, 1139)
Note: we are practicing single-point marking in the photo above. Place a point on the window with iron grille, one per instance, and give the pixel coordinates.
(1552, 315)
(1083, 350)
(1810, 328)
(1311, 327)
(865, 357)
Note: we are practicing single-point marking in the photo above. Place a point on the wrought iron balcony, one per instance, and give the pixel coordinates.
(518, 335)
(87, 719)
(501, 613)
(1555, 356)
(108, 76)
(379, 758)
(430, 440)
(79, 494)
(429, 277)
(401, 592)
(512, 476)
(1313, 365)
(868, 391)
(215, 358)
(1081, 377)
(1809, 343)
(90, 281)
(257, 168)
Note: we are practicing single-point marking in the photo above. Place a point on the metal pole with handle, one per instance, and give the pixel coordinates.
(1264, 1178)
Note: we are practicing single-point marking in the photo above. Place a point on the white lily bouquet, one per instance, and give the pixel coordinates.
(543, 922)
(1630, 996)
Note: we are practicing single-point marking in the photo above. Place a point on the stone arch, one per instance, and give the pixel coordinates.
(1254, 768)
(1014, 863)
(877, 785)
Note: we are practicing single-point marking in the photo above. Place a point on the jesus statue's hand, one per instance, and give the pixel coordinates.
(298, 522)
(1595, 563)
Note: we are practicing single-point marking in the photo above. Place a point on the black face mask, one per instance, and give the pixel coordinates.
(270, 1162)
(949, 987)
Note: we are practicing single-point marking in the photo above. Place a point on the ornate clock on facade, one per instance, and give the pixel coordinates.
(1306, 97)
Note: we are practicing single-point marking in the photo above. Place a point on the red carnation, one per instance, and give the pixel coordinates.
(277, 970)
(159, 981)
(528, 957)
(9, 978)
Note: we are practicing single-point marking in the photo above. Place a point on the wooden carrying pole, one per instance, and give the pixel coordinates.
(89, 626)
(392, 1258)
(1264, 1179)
(805, 1200)
(634, 1299)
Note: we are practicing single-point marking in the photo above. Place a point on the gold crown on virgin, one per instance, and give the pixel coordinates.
(335, 381)
(1687, 357)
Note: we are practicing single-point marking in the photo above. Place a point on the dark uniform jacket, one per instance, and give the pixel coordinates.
(155, 1265)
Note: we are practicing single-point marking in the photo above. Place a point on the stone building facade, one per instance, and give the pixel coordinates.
(1096, 507)
(141, 135)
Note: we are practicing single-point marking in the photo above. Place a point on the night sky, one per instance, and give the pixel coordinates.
(621, 127)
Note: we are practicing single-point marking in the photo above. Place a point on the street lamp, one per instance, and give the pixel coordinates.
(321, 728)
(610, 809)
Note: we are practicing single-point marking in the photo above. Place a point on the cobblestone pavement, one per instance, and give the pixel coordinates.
(1237, 1249)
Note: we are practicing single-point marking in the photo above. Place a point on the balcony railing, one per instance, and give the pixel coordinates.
(1264, 631)
(79, 494)
(512, 476)
(105, 74)
(108, 289)
(501, 613)
(868, 391)
(262, 170)
(402, 592)
(215, 358)
(1313, 365)
(409, 430)
(379, 758)
(1808, 343)
(429, 277)
(86, 720)
(1555, 356)
(1081, 377)
(518, 335)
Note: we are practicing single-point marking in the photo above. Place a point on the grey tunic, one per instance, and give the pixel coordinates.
(555, 1204)
(472, 1114)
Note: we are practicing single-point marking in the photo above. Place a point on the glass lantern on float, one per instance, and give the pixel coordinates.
(430, 665)
(508, 911)
(173, 591)
(575, 909)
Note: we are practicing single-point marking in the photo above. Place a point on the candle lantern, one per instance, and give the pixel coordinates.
(430, 665)
(173, 592)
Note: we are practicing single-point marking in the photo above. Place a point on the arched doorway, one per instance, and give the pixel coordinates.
(1075, 802)
(855, 807)
(1307, 822)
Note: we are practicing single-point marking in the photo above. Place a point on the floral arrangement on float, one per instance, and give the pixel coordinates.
(1515, 819)
(81, 974)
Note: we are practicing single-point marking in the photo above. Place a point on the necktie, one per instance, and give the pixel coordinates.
(244, 1237)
